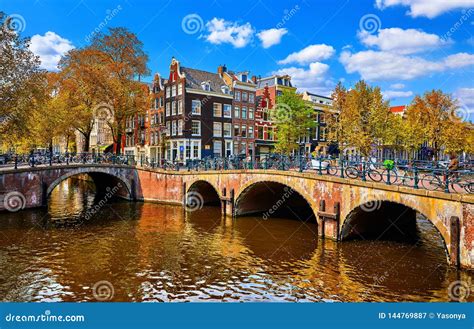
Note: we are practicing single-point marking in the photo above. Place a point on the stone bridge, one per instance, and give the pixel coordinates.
(342, 208)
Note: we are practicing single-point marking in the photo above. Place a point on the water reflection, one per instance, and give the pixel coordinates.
(152, 252)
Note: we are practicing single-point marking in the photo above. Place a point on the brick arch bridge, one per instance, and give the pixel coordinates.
(343, 208)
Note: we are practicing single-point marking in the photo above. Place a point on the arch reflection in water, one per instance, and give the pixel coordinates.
(161, 253)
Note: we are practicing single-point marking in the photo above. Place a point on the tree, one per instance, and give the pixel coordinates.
(335, 132)
(433, 116)
(293, 118)
(84, 83)
(361, 118)
(125, 60)
(21, 83)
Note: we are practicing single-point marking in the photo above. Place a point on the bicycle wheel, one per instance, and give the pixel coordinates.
(389, 176)
(374, 175)
(431, 182)
(352, 172)
(332, 170)
(469, 187)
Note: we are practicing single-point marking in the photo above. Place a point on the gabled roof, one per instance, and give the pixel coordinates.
(316, 95)
(195, 78)
(398, 109)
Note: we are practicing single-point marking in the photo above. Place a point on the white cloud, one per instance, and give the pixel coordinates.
(313, 79)
(271, 37)
(391, 94)
(222, 31)
(310, 54)
(379, 65)
(465, 97)
(402, 41)
(50, 47)
(427, 8)
(397, 86)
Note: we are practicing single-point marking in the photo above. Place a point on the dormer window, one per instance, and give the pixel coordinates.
(225, 90)
(206, 86)
(244, 78)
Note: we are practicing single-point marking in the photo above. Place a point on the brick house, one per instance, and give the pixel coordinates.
(243, 114)
(268, 89)
(198, 114)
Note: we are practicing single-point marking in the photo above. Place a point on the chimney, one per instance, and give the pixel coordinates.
(221, 69)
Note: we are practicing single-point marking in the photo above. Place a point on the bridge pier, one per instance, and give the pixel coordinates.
(328, 224)
(228, 203)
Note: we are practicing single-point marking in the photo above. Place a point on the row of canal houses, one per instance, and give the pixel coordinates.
(196, 114)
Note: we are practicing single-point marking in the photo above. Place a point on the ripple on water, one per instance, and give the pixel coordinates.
(151, 252)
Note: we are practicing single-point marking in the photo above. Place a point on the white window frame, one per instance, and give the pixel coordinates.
(229, 106)
(193, 102)
(229, 129)
(218, 107)
(219, 129)
(199, 125)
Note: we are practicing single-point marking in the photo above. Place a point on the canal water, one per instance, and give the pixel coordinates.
(152, 252)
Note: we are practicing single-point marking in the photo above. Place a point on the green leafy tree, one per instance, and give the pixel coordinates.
(293, 118)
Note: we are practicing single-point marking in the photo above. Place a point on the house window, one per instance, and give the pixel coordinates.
(217, 148)
(244, 112)
(227, 111)
(217, 128)
(180, 106)
(168, 128)
(244, 97)
(168, 92)
(225, 90)
(244, 131)
(180, 89)
(167, 109)
(217, 110)
(236, 112)
(251, 113)
(206, 86)
(322, 118)
(196, 128)
(237, 96)
(173, 91)
(270, 134)
(173, 128)
(196, 107)
(251, 98)
(227, 130)
(196, 150)
(236, 130)
(173, 107)
(155, 105)
(260, 132)
(250, 131)
(180, 127)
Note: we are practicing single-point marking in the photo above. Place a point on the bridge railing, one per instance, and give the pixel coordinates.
(46, 159)
(418, 175)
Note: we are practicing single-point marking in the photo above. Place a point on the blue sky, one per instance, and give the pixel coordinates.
(404, 46)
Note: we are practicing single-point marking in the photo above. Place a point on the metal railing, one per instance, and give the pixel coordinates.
(418, 175)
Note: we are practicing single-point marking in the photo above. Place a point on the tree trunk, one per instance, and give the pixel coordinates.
(118, 149)
(87, 138)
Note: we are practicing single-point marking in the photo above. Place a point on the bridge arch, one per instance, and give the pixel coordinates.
(389, 220)
(203, 192)
(274, 197)
(104, 180)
